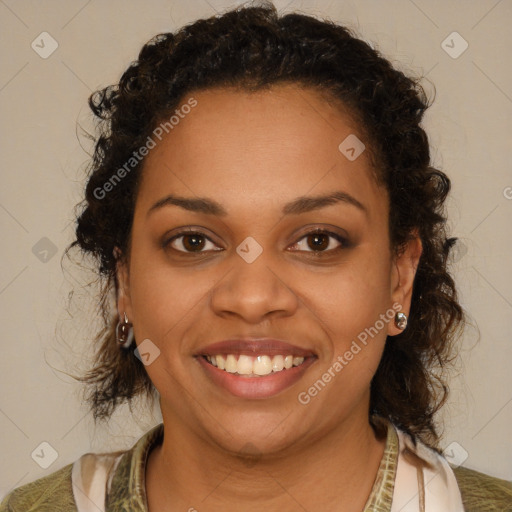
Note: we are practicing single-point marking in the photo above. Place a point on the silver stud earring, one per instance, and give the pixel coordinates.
(401, 320)
(124, 333)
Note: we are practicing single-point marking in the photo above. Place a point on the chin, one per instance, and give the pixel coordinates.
(258, 432)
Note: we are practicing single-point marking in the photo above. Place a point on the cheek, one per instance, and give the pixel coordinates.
(357, 311)
(355, 297)
(164, 300)
(341, 381)
(166, 306)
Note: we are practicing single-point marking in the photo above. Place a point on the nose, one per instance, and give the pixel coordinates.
(254, 291)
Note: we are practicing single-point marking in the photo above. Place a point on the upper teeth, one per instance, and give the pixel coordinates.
(259, 365)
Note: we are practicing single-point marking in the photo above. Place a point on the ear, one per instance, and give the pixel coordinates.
(122, 285)
(402, 277)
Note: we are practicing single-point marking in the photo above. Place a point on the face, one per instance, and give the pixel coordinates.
(256, 244)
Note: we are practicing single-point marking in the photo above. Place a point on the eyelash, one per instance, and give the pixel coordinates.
(343, 241)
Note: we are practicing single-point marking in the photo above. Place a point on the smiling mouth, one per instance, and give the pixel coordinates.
(257, 366)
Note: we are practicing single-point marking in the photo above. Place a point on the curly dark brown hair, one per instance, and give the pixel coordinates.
(252, 48)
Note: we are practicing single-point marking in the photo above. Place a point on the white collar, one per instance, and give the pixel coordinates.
(424, 480)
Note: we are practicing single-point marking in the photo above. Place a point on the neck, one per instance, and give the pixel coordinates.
(335, 471)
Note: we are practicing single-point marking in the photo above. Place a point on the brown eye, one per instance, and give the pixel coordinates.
(318, 242)
(190, 242)
(193, 242)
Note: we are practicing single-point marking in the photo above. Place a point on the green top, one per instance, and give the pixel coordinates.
(480, 493)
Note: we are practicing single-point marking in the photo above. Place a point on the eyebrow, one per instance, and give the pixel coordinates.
(300, 205)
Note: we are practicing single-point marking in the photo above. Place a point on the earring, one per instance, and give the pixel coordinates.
(124, 333)
(401, 320)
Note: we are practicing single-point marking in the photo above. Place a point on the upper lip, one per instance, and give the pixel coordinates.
(253, 346)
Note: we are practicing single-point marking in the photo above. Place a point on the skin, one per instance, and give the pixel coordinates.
(252, 153)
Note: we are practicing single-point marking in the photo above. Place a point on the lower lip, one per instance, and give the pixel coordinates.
(255, 387)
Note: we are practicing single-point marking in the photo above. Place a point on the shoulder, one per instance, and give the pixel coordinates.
(483, 493)
(68, 489)
(92, 475)
(48, 494)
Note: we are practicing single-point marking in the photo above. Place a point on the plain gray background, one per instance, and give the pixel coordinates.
(44, 337)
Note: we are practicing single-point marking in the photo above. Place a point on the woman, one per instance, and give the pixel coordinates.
(262, 204)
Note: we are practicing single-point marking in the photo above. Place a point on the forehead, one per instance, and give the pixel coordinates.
(271, 145)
